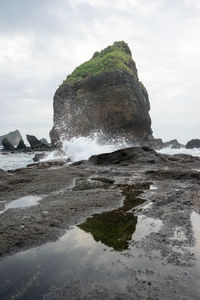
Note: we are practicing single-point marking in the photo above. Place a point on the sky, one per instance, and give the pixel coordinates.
(42, 41)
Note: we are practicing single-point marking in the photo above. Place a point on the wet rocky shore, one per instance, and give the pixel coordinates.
(136, 202)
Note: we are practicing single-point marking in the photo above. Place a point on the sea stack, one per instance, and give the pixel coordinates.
(103, 95)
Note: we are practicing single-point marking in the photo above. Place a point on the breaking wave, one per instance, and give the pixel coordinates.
(82, 148)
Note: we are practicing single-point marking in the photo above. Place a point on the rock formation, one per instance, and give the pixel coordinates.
(14, 137)
(44, 141)
(21, 145)
(103, 94)
(174, 144)
(7, 145)
(35, 143)
(195, 143)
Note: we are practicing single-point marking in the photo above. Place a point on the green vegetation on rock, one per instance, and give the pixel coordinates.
(115, 57)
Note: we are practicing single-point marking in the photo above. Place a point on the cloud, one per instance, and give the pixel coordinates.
(43, 41)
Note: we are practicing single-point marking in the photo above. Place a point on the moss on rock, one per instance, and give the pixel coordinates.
(115, 57)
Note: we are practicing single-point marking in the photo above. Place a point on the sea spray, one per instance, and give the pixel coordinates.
(82, 148)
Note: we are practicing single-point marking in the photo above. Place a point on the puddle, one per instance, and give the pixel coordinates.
(79, 267)
(115, 228)
(77, 262)
(146, 226)
(94, 261)
(23, 202)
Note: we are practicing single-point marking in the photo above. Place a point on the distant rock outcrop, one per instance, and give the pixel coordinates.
(21, 145)
(152, 143)
(195, 143)
(7, 145)
(174, 144)
(103, 94)
(44, 141)
(14, 137)
(35, 143)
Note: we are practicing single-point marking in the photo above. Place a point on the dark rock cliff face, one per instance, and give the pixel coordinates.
(113, 102)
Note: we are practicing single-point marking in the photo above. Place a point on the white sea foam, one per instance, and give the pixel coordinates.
(82, 148)
(10, 161)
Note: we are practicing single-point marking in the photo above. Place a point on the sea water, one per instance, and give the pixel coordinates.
(170, 151)
(76, 149)
(10, 161)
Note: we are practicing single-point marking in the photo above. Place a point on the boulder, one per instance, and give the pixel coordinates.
(194, 143)
(7, 145)
(14, 137)
(103, 95)
(21, 145)
(35, 143)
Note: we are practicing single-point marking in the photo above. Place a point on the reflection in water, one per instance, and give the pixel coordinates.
(74, 265)
(115, 228)
(77, 267)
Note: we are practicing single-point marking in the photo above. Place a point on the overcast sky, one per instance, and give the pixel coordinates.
(41, 41)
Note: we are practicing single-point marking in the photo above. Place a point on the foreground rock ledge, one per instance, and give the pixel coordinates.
(62, 206)
(69, 197)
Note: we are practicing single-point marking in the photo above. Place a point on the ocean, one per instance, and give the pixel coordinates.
(77, 149)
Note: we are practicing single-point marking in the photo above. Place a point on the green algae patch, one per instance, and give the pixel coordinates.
(113, 58)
